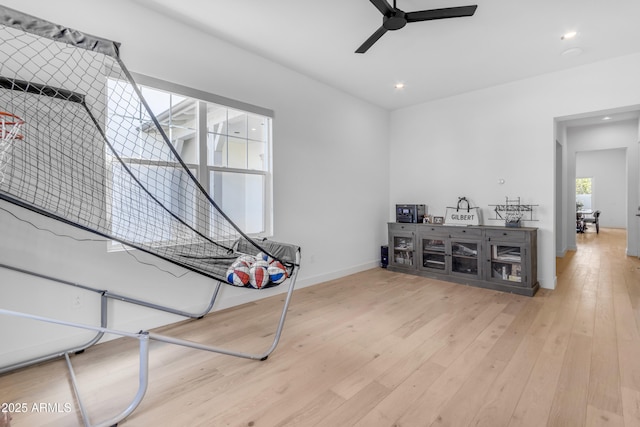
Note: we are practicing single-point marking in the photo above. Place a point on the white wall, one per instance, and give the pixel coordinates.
(559, 194)
(330, 181)
(607, 169)
(461, 146)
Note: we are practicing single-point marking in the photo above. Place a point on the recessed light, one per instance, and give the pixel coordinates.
(574, 51)
(606, 118)
(399, 86)
(569, 35)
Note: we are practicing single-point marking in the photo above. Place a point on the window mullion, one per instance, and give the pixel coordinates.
(203, 171)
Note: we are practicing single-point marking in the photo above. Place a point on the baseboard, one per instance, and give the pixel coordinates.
(314, 280)
(631, 253)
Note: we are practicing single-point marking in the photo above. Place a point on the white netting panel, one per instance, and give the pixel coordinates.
(87, 159)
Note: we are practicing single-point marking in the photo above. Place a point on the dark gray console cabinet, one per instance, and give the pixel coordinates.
(499, 258)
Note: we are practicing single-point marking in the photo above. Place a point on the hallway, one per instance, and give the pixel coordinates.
(600, 291)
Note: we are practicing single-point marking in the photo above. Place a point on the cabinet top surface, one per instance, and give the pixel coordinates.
(481, 227)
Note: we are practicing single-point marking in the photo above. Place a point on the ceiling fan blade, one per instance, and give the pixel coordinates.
(447, 12)
(383, 6)
(371, 40)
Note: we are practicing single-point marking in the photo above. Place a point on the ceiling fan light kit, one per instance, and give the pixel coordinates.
(395, 19)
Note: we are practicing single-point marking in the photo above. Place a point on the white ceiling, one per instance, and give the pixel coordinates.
(506, 40)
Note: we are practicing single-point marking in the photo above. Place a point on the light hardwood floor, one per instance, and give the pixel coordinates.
(385, 349)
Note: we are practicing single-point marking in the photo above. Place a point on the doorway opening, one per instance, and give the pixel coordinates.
(607, 152)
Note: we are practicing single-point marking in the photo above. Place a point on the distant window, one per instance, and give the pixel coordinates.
(583, 194)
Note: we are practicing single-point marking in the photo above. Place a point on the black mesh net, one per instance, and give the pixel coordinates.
(94, 156)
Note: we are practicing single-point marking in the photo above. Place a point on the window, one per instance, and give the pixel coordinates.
(238, 164)
(583, 194)
(227, 148)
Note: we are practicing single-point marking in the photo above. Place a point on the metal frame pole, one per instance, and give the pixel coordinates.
(105, 296)
(147, 304)
(253, 356)
(142, 337)
(55, 355)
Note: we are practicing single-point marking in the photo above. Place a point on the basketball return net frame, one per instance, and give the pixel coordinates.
(87, 164)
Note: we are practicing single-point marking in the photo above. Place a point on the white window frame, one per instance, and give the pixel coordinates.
(203, 170)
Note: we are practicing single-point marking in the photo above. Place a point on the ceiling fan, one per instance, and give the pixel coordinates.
(394, 18)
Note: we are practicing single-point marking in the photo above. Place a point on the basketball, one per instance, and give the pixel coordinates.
(265, 257)
(261, 263)
(258, 274)
(241, 262)
(238, 274)
(247, 259)
(277, 272)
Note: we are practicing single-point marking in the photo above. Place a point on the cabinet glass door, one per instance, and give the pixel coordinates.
(402, 251)
(434, 254)
(464, 257)
(506, 262)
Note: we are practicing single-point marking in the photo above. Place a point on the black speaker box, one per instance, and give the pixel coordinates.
(384, 256)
